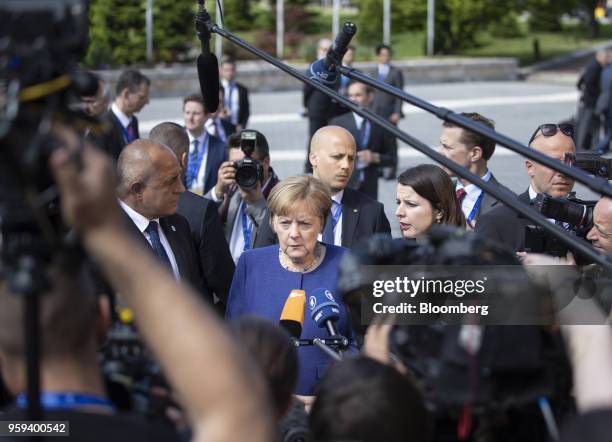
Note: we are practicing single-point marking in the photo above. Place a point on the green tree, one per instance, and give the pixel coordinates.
(370, 19)
(457, 22)
(237, 14)
(117, 31)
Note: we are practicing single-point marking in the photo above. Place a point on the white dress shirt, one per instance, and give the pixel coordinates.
(142, 223)
(198, 185)
(123, 119)
(383, 70)
(233, 99)
(472, 193)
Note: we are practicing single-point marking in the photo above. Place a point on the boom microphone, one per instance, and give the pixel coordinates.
(292, 317)
(324, 310)
(207, 63)
(324, 69)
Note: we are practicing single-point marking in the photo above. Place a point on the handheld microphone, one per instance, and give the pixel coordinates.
(324, 70)
(207, 63)
(292, 317)
(324, 310)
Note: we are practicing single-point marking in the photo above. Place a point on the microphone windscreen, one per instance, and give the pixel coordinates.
(292, 316)
(318, 71)
(208, 75)
(323, 307)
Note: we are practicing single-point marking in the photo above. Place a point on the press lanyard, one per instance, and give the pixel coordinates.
(64, 401)
(476, 207)
(363, 142)
(336, 217)
(247, 227)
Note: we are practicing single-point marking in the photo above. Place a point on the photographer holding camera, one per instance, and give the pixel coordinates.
(243, 185)
(503, 224)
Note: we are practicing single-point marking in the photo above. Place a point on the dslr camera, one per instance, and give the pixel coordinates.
(248, 170)
(575, 213)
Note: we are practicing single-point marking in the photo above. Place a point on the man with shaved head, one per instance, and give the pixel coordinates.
(149, 186)
(354, 216)
(600, 234)
(503, 224)
(201, 213)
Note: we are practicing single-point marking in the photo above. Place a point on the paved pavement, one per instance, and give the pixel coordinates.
(516, 107)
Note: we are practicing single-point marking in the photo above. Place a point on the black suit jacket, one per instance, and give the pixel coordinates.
(244, 107)
(380, 141)
(505, 226)
(178, 233)
(215, 260)
(113, 141)
(362, 217)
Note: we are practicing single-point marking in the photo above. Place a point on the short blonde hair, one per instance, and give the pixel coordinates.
(286, 194)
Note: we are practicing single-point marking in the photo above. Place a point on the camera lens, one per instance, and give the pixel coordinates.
(247, 174)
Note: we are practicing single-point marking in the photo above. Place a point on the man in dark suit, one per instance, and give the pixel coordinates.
(239, 205)
(149, 186)
(472, 151)
(206, 152)
(236, 97)
(385, 104)
(374, 144)
(120, 122)
(320, 108)
(507, 227)
(354, 216)
(206, 229)
(217, 123)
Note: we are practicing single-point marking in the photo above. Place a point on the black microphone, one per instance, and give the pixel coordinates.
(324, 69)
(207, 63)
(324, 310)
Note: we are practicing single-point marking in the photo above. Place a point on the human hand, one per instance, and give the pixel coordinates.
(394, 118)
(226, 177)
(251, 194)
(367, 157)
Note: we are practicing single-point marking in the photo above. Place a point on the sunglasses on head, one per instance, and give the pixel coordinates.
(551, 129)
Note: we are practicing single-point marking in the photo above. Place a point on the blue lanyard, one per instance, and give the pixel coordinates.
(476, 207)
(247, 227)
(363, 143)
(64, 401)
(474, 211)
(336, 217)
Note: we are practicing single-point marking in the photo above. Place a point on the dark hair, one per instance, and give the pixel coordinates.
(67, 312)
(368, 88)
(381, 46)
(227, 59)
(472, 139)
(130, 79)
(172, 135)
(261, 144)
(350, 48)
(233, 141)
(272, 350)
(365, 400)
(195, 97)
(433, 184)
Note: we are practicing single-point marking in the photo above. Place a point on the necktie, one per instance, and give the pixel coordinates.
(194, 165)
(362, 134)
(460, 193)
(332, 221)
(156, 243)
(131, 131)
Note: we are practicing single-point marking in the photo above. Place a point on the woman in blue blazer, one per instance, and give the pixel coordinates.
(299, 207)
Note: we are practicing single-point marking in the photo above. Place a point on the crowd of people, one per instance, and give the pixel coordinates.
(174, 232)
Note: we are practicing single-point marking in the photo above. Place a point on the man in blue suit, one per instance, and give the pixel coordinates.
(206, 152)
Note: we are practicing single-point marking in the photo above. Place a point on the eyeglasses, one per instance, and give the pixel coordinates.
(551, 129)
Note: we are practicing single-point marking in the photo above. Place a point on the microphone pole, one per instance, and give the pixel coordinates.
(499, 193)
(597, 185)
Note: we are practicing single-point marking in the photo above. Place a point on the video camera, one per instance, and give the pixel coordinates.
(248, 170)
(510, 367)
